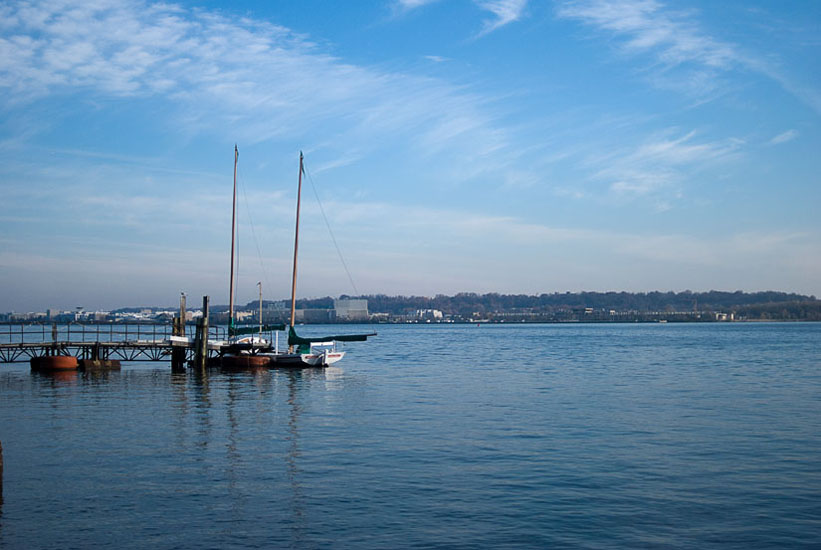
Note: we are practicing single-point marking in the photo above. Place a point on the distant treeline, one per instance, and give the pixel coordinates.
(768, 305)
(782, 311)
(753, 304)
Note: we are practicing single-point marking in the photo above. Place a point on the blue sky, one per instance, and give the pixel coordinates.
(507, 146)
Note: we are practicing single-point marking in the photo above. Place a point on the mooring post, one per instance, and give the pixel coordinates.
(178, 329)
(182, 313)
(1, 473)
(201, 344)
(204, 340)
(197, 335)
(177, 350)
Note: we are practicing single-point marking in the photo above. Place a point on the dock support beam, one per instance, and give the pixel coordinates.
(201, 345)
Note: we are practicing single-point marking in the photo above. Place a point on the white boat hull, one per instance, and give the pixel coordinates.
(305, 360)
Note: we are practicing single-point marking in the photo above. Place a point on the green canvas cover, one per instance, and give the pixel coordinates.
(236, 331)
(294, 340)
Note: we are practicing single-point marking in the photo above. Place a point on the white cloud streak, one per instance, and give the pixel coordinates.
(784, 137)
(260, 80)
(504, 11)
(659, 167)
(648, 27)
(412, 4)
(677, 43)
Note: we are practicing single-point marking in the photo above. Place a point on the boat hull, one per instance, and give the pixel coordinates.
(306, 360)
(239, 362)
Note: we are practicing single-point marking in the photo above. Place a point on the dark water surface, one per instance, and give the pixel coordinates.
(530, 436)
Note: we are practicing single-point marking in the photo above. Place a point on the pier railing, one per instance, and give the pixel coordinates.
(124, 342)
(37, 333)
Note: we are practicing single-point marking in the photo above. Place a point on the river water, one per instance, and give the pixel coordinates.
(433, 436)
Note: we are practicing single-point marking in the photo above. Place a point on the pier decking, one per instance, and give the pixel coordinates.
(136, 342)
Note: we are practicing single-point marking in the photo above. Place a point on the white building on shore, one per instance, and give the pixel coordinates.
(351, 310)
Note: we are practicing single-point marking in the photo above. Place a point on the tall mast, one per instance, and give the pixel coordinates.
(233, 238)
(296, 242)
(259, 284)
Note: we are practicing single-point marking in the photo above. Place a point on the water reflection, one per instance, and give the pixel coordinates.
(233, 457)
(201, 386)
(179, 393)
(56, 378)
(224, 411)
(98, 377)
(293, 455)
(234, 443)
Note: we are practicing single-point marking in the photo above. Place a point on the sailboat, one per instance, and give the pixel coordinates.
(245, 346)
(313, 351)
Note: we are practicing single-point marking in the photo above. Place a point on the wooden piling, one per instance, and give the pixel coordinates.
(178, 353)
(1, 473)
(88, 365)
(201, 343)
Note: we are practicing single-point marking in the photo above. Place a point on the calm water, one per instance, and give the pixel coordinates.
(535, 436)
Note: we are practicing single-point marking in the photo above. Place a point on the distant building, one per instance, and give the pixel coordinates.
(29, 316)
(429, 314)
(97, 316)
(243, 316)
(351, 310)
(314, 315)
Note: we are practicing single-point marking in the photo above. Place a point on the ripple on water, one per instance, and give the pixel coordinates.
(594, 436)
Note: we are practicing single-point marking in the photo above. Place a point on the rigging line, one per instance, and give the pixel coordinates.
(254, 235)
(328, 225)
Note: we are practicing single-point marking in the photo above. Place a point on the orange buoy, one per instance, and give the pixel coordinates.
(54, 362)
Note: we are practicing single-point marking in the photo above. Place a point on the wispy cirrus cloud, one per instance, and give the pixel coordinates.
(784, 137)
(504, 11)
(412, 4)
(659, 166)
(255, 79)
(649, 26)
(685, 56)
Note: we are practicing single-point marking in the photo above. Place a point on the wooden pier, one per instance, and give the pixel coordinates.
(175, 342)
(140, 342)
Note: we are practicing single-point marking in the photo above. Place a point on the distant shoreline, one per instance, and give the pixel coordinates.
(467, 307)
